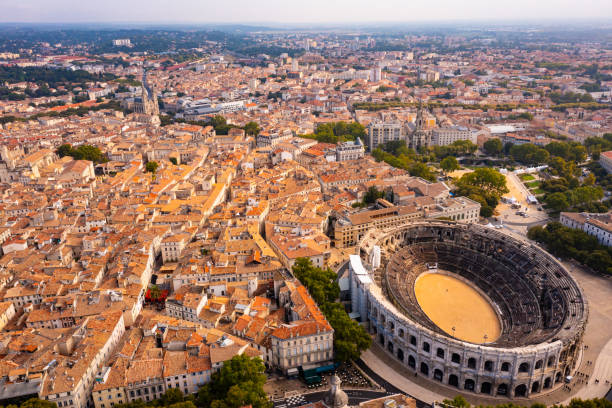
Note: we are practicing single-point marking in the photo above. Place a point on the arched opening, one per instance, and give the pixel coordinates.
(411, 361)
(471, 362)
(524, 367)
(425, 369)
(438, 374)
(485, 388)
(469, 384)
(381, 339)
(401, 333)
(400, 354)
(391, 326)
(440, 353)
(390, 347)
(567, 371)
(502, 389)
(426, 347)
(453, 380)
(505, 366)
(488, 366)
(551, 361)
(558, 377)
(520, 391)
(413, 340)
(538, 364)
(547, 383)
(535, 387)
(456, 358)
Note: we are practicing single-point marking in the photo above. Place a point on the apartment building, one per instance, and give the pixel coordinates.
(598, 225)
(448, 135)
(173, 245)
(351, 150)
(381, 131)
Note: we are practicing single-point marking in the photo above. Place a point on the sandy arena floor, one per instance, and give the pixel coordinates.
(449, 302)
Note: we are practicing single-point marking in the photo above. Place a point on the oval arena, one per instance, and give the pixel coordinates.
(469, 306)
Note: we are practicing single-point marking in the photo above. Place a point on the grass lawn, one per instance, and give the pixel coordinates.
(537, 191)
(526, 177)
(533, 184)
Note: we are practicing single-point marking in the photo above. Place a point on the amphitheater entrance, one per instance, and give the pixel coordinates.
(520, 391)
(438, 374)
(453, 380)
(457, 308)
(485, 388)
(469, 384)
(425, 369)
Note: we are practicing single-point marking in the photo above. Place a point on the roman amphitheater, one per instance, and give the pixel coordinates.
(470, 307)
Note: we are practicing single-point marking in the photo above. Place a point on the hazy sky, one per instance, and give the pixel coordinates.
(298, 11)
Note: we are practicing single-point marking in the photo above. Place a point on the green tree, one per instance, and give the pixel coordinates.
(449, 164)
(350, 339)
(493, 147)
(372, 195)
(557, 201)
(172, 395)
(486, 179)
(38, 403)
(64, 150)
(252, 128)
(239, 383)
(152, 166)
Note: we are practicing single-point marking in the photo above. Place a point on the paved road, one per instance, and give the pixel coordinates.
(392, 389)
(355, 398)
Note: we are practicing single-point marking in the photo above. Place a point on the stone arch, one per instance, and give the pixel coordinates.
(488, 365)
(520, 391)
(400, 354)
(390, 346)
(401, 333)
(547, 383)
(425, 369)
(523, 368)
(440, 352)
(485, 388)
(502, 389)
(551, 361)
(535, 387)
(567, 371)
(471, 363)
(381, 339)
(469, 384)
(453, 380)
(426, 347)
(505, 366)
(411, 362)
(558, 377)
(413, 340)
(391, 325)
(456, 358)
(539, 364)
(438, 374)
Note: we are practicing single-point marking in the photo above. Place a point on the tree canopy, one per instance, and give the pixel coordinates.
(83, 152)
(350, 339)
(484, 185)
(239, 383)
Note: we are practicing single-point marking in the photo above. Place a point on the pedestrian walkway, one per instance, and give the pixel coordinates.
(599, 381)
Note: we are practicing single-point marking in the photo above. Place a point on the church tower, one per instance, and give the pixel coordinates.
(420, 136)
